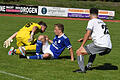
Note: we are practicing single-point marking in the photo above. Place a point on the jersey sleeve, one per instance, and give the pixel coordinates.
(90, 25)
(67, 43)
(39, 27)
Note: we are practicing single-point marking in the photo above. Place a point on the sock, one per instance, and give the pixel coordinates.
(38, 46)
(81, 62)
(35, 57)
(91, 58)
(17, 51)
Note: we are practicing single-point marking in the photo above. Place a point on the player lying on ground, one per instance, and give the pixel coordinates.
(25, 36)
(59, 43)
(101, 40)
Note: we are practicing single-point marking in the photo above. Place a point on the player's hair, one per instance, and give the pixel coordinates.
(94, 11)
(60, 26)
(42, 23)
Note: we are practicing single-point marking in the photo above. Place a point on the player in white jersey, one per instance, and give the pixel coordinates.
(97, 31)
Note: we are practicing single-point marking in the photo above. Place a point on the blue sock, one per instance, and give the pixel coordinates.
(36, 57)
(38, 46)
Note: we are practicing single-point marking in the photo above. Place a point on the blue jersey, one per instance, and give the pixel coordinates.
(59, 44)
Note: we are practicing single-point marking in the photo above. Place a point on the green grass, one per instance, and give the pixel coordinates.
(60, 69)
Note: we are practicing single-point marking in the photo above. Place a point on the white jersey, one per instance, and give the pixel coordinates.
(100, 34)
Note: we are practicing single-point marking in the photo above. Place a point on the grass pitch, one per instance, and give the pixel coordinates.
(106, 67)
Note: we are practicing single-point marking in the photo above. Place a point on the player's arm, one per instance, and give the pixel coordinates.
(47, 38)
(13, 36)
(10, 39)
(86, 37)
(32, 33)
(81, 39)
(71, 54)
(69, 46)
(50, 41)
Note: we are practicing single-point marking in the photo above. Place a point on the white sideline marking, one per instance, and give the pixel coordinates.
(3, 72)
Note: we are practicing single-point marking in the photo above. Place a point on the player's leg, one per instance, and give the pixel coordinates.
(80, 59)
(39, 44)
(22, 39)
(22, 49)
(45, 49)
(92, 49)
(28, 46)
(36, 47)
(90, 61)
(41, 40)
(19, 43)
(13, 51)
(41, 56)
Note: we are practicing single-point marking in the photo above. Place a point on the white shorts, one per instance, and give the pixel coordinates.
(46, 49)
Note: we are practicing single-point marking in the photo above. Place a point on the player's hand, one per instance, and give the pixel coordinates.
(31, 39)
(72, 59)
(47, 39)
(80, 40)
(7, 42)
(79, 50)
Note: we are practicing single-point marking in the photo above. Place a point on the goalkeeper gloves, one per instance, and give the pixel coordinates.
(7, 42)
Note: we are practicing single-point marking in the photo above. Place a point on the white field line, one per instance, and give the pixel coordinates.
(15, 75)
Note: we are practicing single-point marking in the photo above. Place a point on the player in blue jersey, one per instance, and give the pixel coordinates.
(59, 43)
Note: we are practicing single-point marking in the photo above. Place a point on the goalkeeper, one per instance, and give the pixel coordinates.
(25, 36)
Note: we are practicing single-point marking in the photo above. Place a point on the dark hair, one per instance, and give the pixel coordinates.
(60, 26)
(42, 23)
(94, 11)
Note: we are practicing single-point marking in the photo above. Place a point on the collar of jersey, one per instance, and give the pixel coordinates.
(61, 35)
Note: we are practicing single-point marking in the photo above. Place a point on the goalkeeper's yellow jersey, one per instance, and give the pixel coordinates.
(29, 26)
(26, 30)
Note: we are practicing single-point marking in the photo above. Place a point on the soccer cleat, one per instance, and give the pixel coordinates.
(22, 57)
(79, 71)
(11, 51)
(28, 57)
(22, 51)
(89, 66)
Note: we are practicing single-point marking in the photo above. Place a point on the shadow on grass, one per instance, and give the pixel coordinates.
(64, 57)
(34, 53)
(105, 66)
